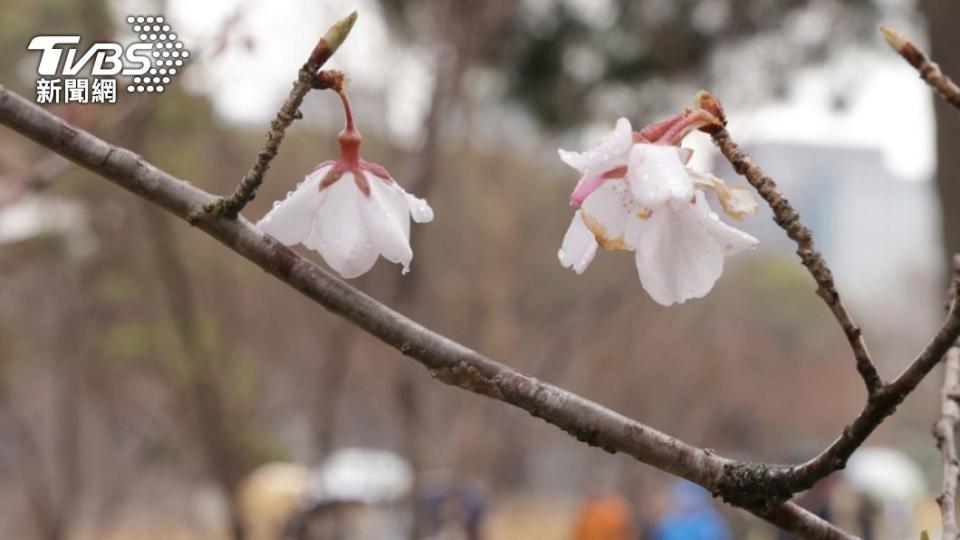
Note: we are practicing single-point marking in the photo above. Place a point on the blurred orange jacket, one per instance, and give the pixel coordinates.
(604, 518)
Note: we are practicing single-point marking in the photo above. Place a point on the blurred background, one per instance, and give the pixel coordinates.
(154, 385)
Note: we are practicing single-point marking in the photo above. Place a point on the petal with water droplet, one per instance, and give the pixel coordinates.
(609, 153)
(339, 233)
(578, 247)
(419, 209)
(387, 219)
(677, 257)
(657, 175)
(291, 219)
(605, 213)
(730, 239)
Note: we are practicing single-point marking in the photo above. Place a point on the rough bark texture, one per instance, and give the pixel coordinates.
(945, 431)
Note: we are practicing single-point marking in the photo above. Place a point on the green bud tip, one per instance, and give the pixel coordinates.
(339, 31)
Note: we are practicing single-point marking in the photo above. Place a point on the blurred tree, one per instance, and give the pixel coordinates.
(942, 19)
(560, 56)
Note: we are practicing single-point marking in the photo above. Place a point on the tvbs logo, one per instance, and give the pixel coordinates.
(148, 64)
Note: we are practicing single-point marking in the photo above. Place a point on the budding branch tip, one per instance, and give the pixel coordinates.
(340, 30)
(332, 40)
(894, 39)
(706, 102)
(900, 43)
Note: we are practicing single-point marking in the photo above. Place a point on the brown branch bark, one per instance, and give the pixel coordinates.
(882, 399)
(447, 360)
(945, 431)
(789, 219)
(289, 111)
(929, 70)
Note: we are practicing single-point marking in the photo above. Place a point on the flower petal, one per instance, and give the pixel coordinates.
(737, 203)
(677, 257)
(578, 247)
(587, 184)
(291, 219)
(605, 213)
(419, 208)
(339, 233)
(730, 239)
(387, 219)
(657, 175)
(609, 153)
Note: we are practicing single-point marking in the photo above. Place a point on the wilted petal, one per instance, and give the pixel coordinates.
(730, 239)
(605, 213)
(291, 219)
(339, 233)
(677, 257)
(737, 203)
(657, 175)
(609, 153)
(579, 246)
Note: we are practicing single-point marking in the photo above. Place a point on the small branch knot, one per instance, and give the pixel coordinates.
(330, 79)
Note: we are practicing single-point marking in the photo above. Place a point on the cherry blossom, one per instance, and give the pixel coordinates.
(638, 194)
(349, 210)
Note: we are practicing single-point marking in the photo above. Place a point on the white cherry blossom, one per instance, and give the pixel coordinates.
(645, 199)
(349, 211)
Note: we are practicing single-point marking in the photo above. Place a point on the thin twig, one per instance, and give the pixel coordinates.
(944, 431)
(789, 219)
(231, 206)
(882, 404)
(447, 360)
(882, 399)
(929, 70)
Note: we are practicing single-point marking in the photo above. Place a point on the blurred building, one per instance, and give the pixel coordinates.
(878, 231)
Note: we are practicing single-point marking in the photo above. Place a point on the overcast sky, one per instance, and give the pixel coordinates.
(247, 86)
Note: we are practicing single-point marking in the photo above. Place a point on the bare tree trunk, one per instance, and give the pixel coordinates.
(943, 17)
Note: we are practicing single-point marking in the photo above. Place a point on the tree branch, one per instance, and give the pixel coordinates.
(882, 399)
(447, 360)
(789, 220)
(881, 404)
(929, 70)
(944, 432)
(289, 111)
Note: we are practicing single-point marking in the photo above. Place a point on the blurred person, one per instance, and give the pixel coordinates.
(690, 515)
(891, 487)
(604, 517)
(269, 496)
(356, 493)
(452, 510)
